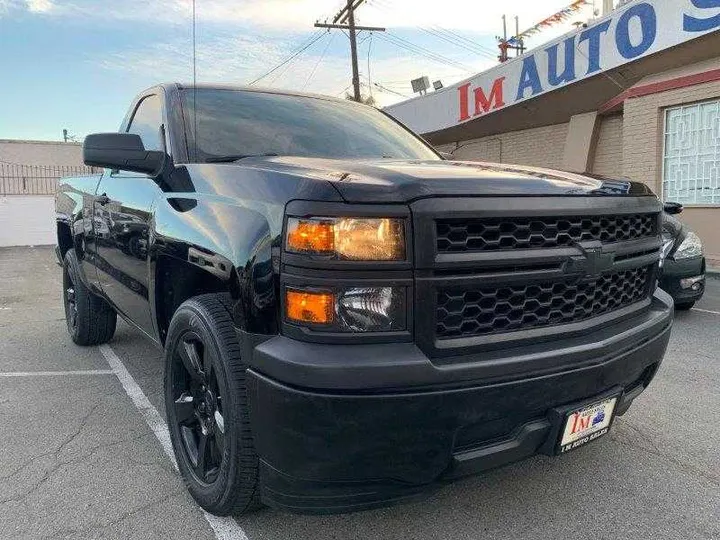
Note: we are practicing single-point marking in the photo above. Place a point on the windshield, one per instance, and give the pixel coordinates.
(236, 123)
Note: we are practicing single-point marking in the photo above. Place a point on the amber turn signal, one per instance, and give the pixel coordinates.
(306, 235)
(309, 306)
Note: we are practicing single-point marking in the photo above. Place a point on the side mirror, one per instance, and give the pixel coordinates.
(673, 207)
(446, 156)
(124, 151)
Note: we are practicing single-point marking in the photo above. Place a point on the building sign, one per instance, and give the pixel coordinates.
(629, 33)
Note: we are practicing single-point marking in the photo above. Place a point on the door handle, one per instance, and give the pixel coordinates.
(102, 199)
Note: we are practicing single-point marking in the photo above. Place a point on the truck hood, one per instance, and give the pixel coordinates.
(393, 180)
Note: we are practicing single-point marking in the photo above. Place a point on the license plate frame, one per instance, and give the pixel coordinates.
(585, 423)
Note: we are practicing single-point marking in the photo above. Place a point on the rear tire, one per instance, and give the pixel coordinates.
(207, 407)
(684, 306)
(90, 319)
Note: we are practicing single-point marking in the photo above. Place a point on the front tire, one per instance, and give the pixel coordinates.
(90, 319)
(207, 407)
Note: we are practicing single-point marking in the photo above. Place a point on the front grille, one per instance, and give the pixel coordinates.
(463, 312)
(494, 234)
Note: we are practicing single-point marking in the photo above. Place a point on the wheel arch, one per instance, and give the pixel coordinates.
(178, 280)
(64, 238)
(206, 244)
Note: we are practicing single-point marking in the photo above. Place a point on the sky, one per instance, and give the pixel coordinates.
(77, 64)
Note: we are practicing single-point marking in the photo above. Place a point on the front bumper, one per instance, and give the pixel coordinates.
(366, 443)
(674, 271)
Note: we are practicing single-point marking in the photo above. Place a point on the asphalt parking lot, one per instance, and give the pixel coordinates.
(78, 457)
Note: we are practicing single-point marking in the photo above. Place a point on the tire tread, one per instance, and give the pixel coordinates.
(217, 307)
(96, 319)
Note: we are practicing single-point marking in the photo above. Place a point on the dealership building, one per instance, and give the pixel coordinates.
(633, 94)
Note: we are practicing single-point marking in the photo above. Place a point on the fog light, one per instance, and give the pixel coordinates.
(693, 283)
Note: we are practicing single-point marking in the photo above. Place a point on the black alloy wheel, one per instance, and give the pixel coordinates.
(70, 301)
(206, 401)
(90, 319)
(198, 405)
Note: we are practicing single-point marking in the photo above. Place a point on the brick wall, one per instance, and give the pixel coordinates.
(642, 160)
(643, 129)
(608, 159)
(540, 147)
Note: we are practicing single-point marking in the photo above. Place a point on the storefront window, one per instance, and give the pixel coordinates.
(691, 158)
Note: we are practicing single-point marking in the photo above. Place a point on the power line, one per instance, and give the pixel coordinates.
(280, 74)
(347, 13)
(387, 90)
(405, 82)
(446, 35)
(314, 38)
(453, 41)
(412, 49)
(322, 56)
(418, 49)
(368, 64)
(422, 51)
(270, 81)
(462, 39)
(344, 89)
(403, 85)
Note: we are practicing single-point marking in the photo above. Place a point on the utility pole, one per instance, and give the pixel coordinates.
(353, 50)
(520, 48)
(345, 20)
(503, 43)
(67, 137)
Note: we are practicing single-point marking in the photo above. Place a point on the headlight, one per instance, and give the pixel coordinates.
(355, 309)
(667, 245)
(356, 239)
(690, 247)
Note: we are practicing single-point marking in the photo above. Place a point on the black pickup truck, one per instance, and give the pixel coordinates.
(349, 320)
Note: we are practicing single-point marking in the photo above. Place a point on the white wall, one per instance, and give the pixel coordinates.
(41, 153)
(27, 220)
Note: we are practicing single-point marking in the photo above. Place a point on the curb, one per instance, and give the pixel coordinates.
(712, 273)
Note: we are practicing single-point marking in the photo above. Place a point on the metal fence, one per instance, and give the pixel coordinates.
(18, 179)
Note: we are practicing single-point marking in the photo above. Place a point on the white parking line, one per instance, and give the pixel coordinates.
(225, 528)
(56, 373)
(706, 311)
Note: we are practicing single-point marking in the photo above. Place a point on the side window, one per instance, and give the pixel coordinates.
(146, 122)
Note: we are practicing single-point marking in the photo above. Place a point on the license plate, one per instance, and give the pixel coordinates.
(587, 424)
